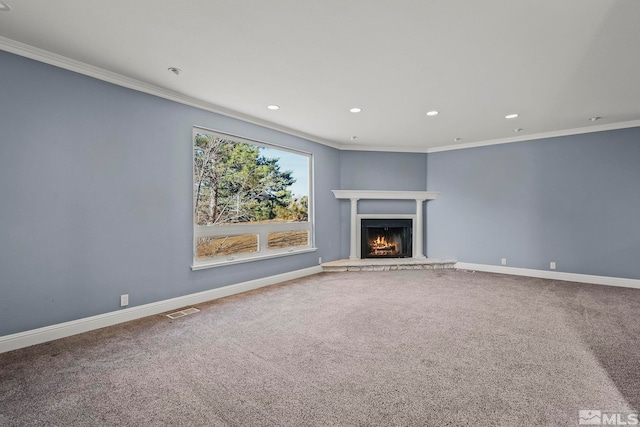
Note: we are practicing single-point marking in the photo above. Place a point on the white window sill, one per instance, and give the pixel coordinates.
(221, 263)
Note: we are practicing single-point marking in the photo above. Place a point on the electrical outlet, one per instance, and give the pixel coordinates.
(124, 300)
(504, 261)
(552, 265)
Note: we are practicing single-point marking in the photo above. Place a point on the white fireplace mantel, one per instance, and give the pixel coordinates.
(355, 195)
(385, 195)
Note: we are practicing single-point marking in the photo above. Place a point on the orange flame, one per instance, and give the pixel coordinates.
(381, 246)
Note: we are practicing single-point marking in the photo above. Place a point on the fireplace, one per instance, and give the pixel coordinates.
(386, 238)
(355, 231)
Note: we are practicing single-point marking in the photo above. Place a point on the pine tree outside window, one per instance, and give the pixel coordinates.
(251, 200)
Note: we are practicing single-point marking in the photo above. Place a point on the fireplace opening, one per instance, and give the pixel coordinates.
(386, 238)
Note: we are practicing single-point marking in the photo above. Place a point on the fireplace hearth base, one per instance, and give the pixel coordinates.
(387, 264)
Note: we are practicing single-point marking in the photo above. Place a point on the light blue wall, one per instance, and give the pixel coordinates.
(373, 170)
(95, 199)
(96, 196)
(574, 200)
(370, 170)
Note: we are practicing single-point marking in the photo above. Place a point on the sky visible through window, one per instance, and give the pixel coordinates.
(297, 163)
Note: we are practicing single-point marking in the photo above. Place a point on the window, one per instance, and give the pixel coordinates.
(251, 200)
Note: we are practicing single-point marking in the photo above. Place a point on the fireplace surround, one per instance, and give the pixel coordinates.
(417, 234)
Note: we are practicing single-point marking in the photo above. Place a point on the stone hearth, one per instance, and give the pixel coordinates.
(387, 264)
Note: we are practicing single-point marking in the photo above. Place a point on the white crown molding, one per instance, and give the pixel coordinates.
(60, 61)
(543, 135)
(388, 149)
(522, 138)
(67, 329)
(554, 275)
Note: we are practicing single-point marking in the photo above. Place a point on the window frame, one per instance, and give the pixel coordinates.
(262, 230)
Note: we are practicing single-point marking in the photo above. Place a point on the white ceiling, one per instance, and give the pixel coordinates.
(554, 62)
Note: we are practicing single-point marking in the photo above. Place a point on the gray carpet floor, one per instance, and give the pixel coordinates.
(397, 348)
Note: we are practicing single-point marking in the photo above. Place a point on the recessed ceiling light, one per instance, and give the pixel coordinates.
(4, 7)
(273, 107)
(175, 70)
(593, 119)
(456, 139)
(518, 130)
(511, 116)
(432, 113)
(353, 138)
(355, 110)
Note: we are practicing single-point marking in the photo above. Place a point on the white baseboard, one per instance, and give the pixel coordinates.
(61, 330)
(555, 275)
